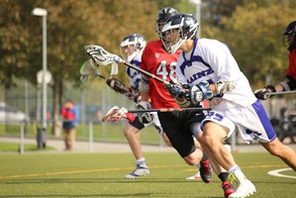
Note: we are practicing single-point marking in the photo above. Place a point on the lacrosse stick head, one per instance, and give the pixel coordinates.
(89, 71)
(102, 58)
(115, 114)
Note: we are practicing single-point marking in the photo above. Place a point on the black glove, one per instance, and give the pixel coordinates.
(178, 89)
(145, 117)
(261, 93)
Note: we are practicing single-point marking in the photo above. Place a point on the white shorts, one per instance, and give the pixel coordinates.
(252, 122)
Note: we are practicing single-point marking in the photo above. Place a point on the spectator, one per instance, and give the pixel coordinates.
(70, 121)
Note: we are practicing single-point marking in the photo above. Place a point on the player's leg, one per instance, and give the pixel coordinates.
(222, 175)
(278, 149)
(177, 126)
(211, 140)
(131, 133)
(266, 135)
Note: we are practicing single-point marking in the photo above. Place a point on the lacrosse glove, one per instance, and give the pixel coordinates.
(145, 117)
(200, 92)
(261, 93)
(117, 85)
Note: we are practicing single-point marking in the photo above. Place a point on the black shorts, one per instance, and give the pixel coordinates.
(178, 127)
(137, 124)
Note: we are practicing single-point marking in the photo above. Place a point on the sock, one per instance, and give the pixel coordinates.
(141, 161)
(223, 176)
(197, 166)
(238, 173)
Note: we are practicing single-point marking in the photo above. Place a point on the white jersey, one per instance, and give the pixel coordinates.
(135, 78)
(211, 60)
(134, 75)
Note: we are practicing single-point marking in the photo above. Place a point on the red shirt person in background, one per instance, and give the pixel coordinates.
(70, 118)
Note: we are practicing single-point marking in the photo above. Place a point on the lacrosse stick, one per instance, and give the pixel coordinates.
(101, 57)
(116, 114)
(89, 71)
(280, 93)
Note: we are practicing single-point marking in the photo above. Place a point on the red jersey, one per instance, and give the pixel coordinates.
(292, 64)
(157, 61)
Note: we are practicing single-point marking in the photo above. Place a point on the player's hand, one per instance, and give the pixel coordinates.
(145, 117)
(200, 92)
(261, 94)
(175, 89)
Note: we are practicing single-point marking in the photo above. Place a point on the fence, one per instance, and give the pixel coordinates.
(90, 101)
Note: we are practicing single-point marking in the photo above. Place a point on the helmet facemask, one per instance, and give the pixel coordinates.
(172, 39)
(131, 46)
(289, 38)
(177, 30)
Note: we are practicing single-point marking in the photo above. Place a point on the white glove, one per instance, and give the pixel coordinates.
(200, 92)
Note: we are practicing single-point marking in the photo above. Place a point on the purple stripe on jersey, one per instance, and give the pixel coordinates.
(264, 120)
(194, 58)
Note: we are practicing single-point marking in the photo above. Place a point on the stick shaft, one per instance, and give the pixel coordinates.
(168, 110)
(145, 72)
(280, 93)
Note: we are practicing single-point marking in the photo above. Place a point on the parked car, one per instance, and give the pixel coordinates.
(10, 114)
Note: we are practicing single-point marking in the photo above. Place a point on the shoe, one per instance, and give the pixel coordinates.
(205, 171)
(141, 170)
(245, 189)
(227, 188)
(194, 177)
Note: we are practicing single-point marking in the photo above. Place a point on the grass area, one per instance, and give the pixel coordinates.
(101, 175)
(102, 132)
(12, 147)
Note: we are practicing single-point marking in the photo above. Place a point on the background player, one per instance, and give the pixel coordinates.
(290, 82)
(131, 49)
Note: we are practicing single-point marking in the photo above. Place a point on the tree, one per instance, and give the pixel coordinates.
(254, 34)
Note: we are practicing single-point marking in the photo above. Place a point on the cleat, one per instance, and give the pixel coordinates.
(194, 177)
(227, 188)
(141, 170)
(245, 189)
(205, 171)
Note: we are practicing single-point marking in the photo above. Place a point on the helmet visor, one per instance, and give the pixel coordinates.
(172, 39)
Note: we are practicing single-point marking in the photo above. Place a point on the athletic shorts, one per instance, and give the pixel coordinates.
(139, 125)
(252, 122)
(178, 126)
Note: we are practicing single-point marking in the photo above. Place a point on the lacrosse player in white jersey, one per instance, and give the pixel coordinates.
(131, 48)
(207, 70)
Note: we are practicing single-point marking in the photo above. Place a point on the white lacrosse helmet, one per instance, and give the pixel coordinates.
(178, 29)
(131, 45)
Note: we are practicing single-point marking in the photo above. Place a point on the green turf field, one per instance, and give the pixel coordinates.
(101, 175)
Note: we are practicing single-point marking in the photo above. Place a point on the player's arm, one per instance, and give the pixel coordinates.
(187, 95)
(144, 88)
(121, 88)
(286, 85)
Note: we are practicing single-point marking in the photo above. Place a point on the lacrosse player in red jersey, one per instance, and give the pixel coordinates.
(290, 82)
(176, 125)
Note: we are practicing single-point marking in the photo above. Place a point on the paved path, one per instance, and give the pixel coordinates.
(85, 146)
(106, 147)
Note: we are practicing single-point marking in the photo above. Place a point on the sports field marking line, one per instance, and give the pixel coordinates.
(112, 170)
(277, 173)
(78, 172)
